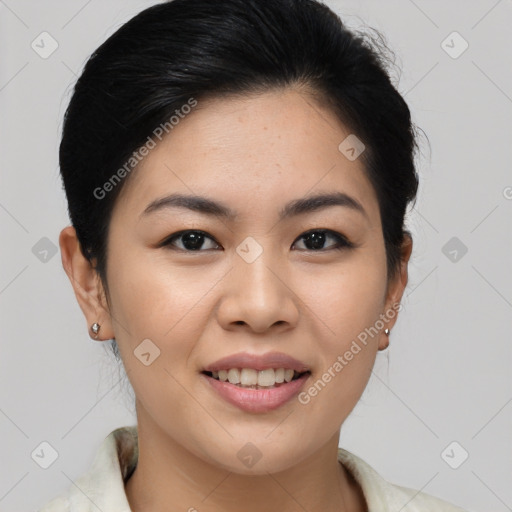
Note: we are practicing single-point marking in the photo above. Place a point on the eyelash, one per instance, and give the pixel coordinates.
(342, 242)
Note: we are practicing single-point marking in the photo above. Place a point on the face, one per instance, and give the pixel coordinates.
(203, 286)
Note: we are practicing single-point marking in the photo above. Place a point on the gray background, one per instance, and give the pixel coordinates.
(446, 376)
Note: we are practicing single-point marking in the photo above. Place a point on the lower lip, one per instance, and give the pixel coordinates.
(257, 400)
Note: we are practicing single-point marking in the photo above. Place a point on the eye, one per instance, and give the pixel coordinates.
(190, 241)
(194, 241)
(316, 239)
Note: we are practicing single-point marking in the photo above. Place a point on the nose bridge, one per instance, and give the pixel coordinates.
(257, 295)
(253, 265)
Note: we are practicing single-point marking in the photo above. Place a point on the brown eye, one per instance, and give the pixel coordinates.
(190, 241)
(315, 240)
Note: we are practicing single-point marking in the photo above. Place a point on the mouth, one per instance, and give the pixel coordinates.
(249, 378)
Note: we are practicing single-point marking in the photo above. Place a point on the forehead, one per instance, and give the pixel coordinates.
(251, 152)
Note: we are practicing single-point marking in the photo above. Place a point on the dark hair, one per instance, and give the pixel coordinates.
(182, 49)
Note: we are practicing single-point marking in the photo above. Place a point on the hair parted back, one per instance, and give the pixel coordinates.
(180, 49)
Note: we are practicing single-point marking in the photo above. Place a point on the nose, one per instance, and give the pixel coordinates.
(257, 297)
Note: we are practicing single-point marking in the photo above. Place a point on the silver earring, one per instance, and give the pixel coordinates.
(386, 332)
(95, 328)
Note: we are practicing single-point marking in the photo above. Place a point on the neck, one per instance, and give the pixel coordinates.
(167, 474)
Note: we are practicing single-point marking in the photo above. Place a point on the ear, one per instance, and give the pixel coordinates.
(395, 291)
(86, 283)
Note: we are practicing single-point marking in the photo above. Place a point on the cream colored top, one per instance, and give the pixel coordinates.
(102, 487)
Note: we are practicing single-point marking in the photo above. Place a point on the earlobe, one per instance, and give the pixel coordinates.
(86, 283)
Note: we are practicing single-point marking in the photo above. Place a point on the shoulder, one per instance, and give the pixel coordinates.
(102, 487)
(387, 497)
(421, 502)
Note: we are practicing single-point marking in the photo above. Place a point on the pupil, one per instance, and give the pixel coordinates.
(193, 241)
(316, 239)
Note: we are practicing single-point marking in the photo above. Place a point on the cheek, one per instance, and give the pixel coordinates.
(152, 299)
(164, 304)
(145, 293)
(345, 305)
(347, 298)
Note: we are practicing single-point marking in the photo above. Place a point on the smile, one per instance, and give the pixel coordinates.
(251, 396)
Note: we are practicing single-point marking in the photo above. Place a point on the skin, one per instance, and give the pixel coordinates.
(254, 154)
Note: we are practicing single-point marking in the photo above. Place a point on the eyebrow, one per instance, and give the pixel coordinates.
(296, 207)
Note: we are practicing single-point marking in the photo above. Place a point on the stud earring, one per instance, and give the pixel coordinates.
(386, 332)
(95, 328)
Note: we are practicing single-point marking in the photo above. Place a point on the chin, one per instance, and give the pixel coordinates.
(249, 459)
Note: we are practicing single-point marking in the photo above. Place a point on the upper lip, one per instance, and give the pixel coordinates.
(257, 362)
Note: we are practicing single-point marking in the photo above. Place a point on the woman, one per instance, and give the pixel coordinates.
(237, 174)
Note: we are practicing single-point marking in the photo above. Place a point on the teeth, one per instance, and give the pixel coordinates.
(249, 377)
(267, 377)
(233, 376)
(288, 375)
